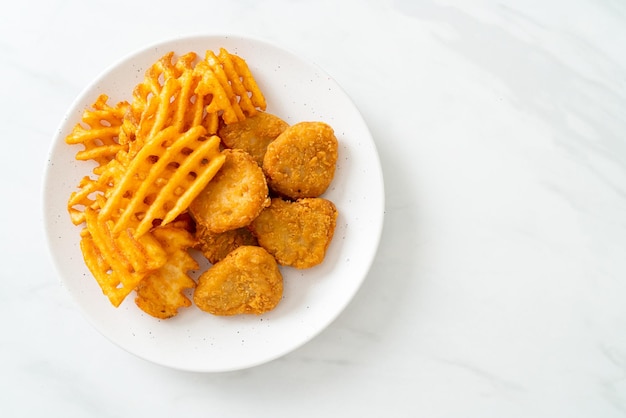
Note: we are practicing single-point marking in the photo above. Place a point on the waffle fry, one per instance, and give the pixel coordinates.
(118, 262)
(101, 133)
(161, 293)
(227, 78)
(163, 179)
(101, 144)
(93, 192)
(164, 98)
(244, 84)
(83, 199)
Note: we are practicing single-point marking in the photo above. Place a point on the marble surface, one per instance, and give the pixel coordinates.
(499, 286)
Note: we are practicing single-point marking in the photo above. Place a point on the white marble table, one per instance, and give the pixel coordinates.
(499, 288)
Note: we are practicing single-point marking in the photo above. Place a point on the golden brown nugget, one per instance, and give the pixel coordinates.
(215, 247)
(246, 281)
(301, 161)
(234, 197)
(253, 134)
(296, 233)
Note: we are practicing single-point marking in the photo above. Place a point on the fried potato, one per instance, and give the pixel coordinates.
(234, 91)
(246, 281)
(215, 247)
(166, 97)
(301, 161)
(161, 293)
(234, 197)
(253, 134)
(164, 177)
(118, 262)
(296, 233)
(99, 131)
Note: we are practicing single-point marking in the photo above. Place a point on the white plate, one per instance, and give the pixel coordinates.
(296, 90)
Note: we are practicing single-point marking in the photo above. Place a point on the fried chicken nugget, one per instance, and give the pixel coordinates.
(296, 233)
(247, 281)
(234, 197)
(301, 161)
(215, 247)
(253, 134)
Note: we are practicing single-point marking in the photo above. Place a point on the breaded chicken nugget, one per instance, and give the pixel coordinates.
(296, 233)
(217, 246)
(246, 281)
(301, 161)
(253, 134)
(234, 197)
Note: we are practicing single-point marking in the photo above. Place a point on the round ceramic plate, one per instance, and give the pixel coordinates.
(295, 90)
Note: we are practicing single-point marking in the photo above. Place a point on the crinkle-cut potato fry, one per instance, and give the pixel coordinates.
(162, 179)
(118, 262)
(161, 293)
